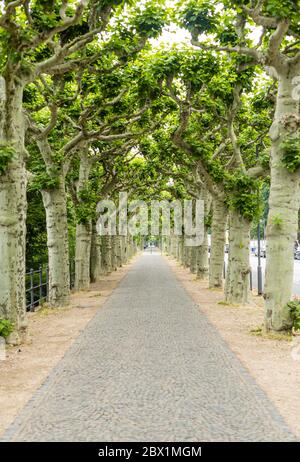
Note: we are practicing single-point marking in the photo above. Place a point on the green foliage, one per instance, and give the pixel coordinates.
(264, 158)
(42, 180)
(275, 8)
(6, 327)
(113, 3)
(208, 220)
(198, 16)
(150, 20)
(282, 8)
(277, 221)
(36, 235)
(216, 170)
(86, 207)
(7, 153)
(291, 153)
(45, 14)
(243, 195)
(75, 31)
(228, 36)
(294, 307)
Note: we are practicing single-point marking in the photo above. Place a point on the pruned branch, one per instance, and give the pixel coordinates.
(253, 52)
(220, 149)
(53, 119)
(47, 35)
(117, 98)
(273, 53)
(258, 172)
(258, 18)
(238, 160)
(9, 11)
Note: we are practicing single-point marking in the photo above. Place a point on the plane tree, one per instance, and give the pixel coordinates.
(213, 125)
(36, 37)
(229, 27)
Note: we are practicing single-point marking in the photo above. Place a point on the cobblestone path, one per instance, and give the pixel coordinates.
(149, 367)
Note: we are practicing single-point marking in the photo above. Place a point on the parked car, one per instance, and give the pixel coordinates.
(262, 252)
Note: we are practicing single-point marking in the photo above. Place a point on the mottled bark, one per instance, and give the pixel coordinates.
(283, 212)
(55, 203)
(114, 251)
(95, 265)
(83, 232)
(181, 250)
(82, 255)
(238, 269)
(202, 250)
(202, 257)
(129, 247)
(167, 245)
(118, 250)
(106, 254)
(218, 228)
(186, 256)
(13, 209)
(174, 246)
(123, 249)
(193, 260)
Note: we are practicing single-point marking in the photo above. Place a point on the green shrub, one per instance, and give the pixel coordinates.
(7, 153)
(6, 327)
(291, 153)
(294, 307)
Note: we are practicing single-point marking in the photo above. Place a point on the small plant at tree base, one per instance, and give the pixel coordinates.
(277, 221)
(291, 153)
(294, 307)
(6, 328)
(7, 153)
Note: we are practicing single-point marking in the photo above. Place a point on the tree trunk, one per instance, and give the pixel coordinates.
(95, 268)
(202, 257)
(193, 265)
(178, 248)
(283, 213)
(13, 208)
(55, 203)
(218, 228)
(106, 254)
(238, 270)
(129, 247)
(181, 250)
(82, 255)
(119, 260)
(174, 249)
(114, 251)
(12, 249)
(123, 249)
(83, 232)
(185, 256)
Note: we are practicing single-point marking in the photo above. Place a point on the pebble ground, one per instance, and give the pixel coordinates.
(149, 367)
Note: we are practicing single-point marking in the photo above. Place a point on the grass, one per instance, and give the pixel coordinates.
(231, 305)
(46, 310)
(282, 336)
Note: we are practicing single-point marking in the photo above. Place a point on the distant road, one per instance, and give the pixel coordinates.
(253, 262)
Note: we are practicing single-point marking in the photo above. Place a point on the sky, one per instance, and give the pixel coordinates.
(173, 35)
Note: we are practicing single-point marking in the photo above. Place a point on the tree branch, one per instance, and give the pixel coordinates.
(273, 53)
(47, 35)
(255, 54)
(54, 115)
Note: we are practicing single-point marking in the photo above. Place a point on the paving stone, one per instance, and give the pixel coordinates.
(149, 367)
